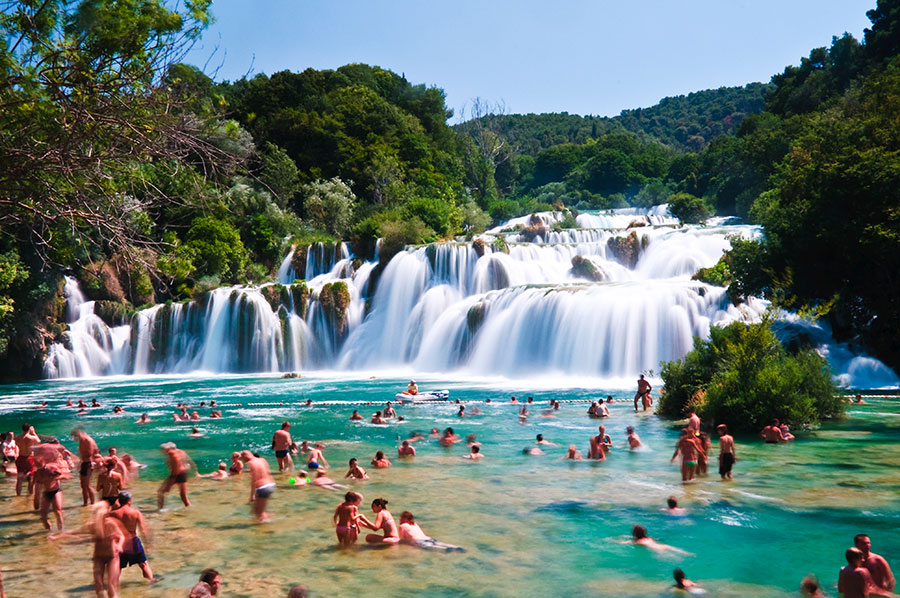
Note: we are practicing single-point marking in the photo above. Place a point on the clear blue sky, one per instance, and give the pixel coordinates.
(583, 57)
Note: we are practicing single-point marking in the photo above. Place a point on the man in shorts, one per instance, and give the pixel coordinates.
(132, 520)
(281, 444)
(179, 464)
(261, 484)
(25, 462)
(727, 455)
(87, 448)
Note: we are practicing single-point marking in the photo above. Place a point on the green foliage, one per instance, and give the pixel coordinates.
(217, 248)
(743, 377)
(718, 275)
(328, 205)
(12, 273)
(441, 216)
(279, 174)
(689, 208)
(396, 232)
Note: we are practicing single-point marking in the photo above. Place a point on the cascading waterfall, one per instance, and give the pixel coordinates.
(612, 298)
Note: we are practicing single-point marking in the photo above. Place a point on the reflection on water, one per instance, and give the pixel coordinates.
(532, 525)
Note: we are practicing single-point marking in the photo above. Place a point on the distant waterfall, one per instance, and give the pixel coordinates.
(611, 298)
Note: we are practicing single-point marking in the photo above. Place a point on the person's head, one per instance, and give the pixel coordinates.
(540, 437)
(223, 466)
(412, 381)
(167, 447)
(407, 517)
(608, 398)
(854, 556)
(775, 422)
(602, 429)
(235, 456)
(213, 579)
(355, 412)
(722, 429)
(200, 590)
(810, 586)
(572, 448)
(353, 498)
(405, 443)
(124, 497)
(378, 504)
(285, 425)
(109, 463)
(449, 431)
(246, 456)
(388, 403)
(195, 431)
(470, 438)
(476, 449)
(672, 502)
(642, 377)
(678, 574)
(378, 414)
(629, 430)
(77, 433)
(862, 542)
(299, 591)
(379, 455)
(320, 445)
(639, 532)
(531, 399)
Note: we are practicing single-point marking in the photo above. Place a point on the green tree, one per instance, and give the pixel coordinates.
(689, 208)
(217, 248)
(328, 205)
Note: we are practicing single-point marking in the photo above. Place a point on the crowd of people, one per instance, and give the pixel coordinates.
(118, 530)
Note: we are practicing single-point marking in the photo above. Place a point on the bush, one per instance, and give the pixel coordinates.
(439, 215)
(217, 248)
(328, 205)
(742, 376)
(689, 208)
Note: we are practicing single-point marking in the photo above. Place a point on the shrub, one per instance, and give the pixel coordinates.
(689, 208)
(218, 248)
(742, 376)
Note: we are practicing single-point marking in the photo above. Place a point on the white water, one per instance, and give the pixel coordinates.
(443, 308)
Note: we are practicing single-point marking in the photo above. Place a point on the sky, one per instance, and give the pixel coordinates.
(578, 56)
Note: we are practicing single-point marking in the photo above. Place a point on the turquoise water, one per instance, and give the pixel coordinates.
(532, 525)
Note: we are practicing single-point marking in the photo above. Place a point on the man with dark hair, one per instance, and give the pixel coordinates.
(132, 520)
(854, 580)
(727, 455)
(281, 444)
(875, 563)
(211, 578)
(87, 448)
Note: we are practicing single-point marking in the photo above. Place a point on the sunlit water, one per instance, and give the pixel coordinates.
(532, 525)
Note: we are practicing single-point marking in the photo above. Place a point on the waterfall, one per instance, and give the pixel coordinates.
(610, 298)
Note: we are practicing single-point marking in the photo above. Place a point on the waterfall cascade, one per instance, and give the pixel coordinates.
(611, 298)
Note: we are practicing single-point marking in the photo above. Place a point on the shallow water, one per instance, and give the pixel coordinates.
(532, 525)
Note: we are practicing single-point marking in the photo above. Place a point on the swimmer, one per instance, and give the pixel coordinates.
(178, 464)
(449, 438)
(261, 484)
(644, 388)
(322, 480)
(858, 400)
(672, 509)
(786, 433)
(281, 444)
(406, 450)
(117, 410)
(727, 454)
(215, 414)
(876, 564)
(380, 461)
(532, 450)
(475, 455)
(599, 445)
(462, 411)
(810, 587)
(94, 403)
(383, 521)
(634, 441)
(540, 440)
(219, 474)
(610, 399)
(377, 418)
(143, 419)
(772, 433)
(389, 411)
(690, 449)
(355, 416)
(356, 472)
(196, 433)
(470, 440)
(346, 519)
(434, 433)
(640, 537)
(682, 583)
(573, 454)
(415, 437)
(195, 416)
(411, 533)
(513, 399)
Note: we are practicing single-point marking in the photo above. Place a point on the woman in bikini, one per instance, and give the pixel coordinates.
(347, 519)
(383, 521)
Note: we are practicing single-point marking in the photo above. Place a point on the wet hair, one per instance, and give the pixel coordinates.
(352, 461)
(859, 537)
(629, 429)
(209, 576)
(405, 443)
(408, 516)
(448, 431)
(298, 591)
(853, 554)
(124, 497)
(378, 413)
(476, 448)
(379, 455)
(540, 436)
(350, 497)
(678, 574)
(810, 585)
(380, 502)
(639, 532)
(26, 426)
(672, 502)
(285, 425)
(608, 397)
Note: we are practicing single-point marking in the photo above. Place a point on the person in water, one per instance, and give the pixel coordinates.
(261, 484)
(682, 582)
(346, 519)
(383, 521)
(772, 433)
(355, 416)
(727, 455)
(389, 411)
(640, 537)
(475, 455)
(876, 564)
(643, 388)
(380, 461)
(854, 580)
(179, 464)
(689, 448)
(132, 522)
(672, 509)
(573, 454)
(281, 444)
(634, 441)
(412, 389)
(406, 450)
(356, 472)
(411, 533)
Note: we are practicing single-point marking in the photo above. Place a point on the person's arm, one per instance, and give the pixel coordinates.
(364, 521)
(675, 454)
(273, 440)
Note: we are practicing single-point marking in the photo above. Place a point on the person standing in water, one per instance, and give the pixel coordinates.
(281, 444)
(109, 482)
(346, 519)
(261, 484)
(727, 455)
(690, 449)
(644, 388)
(634, 441)
(86, 450)
(179, 464)
(47, 478)
(854, 580)
(132, 520)
(876, 564)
